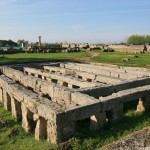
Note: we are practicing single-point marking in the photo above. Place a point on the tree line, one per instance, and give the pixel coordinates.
(138, 39)
(9, 43)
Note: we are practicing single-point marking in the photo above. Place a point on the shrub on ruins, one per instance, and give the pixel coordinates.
(138, 39)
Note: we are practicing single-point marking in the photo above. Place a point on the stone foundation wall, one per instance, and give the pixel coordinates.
(51, 109)
(130, 49)
(122, 73)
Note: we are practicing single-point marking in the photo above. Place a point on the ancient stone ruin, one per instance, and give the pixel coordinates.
(130, 48)
(49, 98)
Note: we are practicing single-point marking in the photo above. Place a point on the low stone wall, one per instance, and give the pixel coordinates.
(148, 48)
(130, 49)
(51, 110)
(87, 76)
(36, 112)
(62, 80)
(122, 73)
(55, 92)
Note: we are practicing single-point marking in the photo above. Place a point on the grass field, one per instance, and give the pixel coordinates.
(26, 57)
(13, 137)
(143, 60)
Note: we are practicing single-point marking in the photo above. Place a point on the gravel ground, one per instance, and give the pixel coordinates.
(137, 141)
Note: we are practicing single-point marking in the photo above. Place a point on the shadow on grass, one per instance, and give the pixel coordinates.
(126, 123)
(131, 122)
(10, 61)
(6, 121)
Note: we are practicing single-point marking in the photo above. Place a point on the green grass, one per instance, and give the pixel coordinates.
(104, 57)
(26, 57)
(116, 58)
(132, 121)
(13, 137)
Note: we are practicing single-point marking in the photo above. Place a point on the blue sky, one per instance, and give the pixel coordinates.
(92, 21)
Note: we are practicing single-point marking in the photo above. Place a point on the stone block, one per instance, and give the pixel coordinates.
(51, 109)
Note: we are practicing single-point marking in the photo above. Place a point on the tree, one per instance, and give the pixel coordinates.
(148, 39)
(138, 39)
(25, 43)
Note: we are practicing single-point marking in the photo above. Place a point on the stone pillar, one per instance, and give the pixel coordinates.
(43, 78)
(16, 109)
(52, 132)
(39, 41)
(4, 99)
(25, 123)
(29, 73)
(36, 75)
(1, 95)
(61, 128)
(140, 106)
(7, 100)
(144, 103)
(22, 45)
(97, 120)
(60, 82)
(84, 78)
(41, 129)
(70, 86)
(13, 107)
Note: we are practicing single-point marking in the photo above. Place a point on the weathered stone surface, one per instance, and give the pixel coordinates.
(137, 141)
(41, 129)
(60, 78)
(108, 80)
(128, 48)
(1, 95)
(25, 123)
(50, 101)
(15, 109)
(113, 71)
(82, 99)
(140, 106)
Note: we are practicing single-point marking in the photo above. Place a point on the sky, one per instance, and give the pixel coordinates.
(74, 21)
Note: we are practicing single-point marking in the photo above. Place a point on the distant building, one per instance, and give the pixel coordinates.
(9, 45)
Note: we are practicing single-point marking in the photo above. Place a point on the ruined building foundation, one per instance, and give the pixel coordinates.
(51, 98)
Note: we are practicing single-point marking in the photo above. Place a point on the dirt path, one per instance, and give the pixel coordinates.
(88, 58)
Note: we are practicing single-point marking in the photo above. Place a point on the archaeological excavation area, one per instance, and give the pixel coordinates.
(50, 98)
